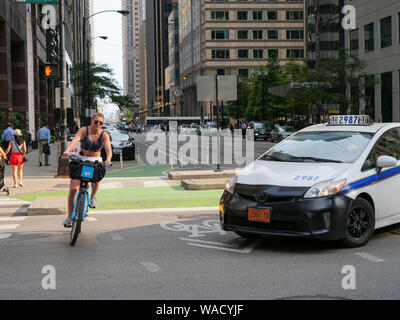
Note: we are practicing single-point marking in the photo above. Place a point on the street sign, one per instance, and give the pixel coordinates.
(227, 88)
(205, 88)
(38, 1)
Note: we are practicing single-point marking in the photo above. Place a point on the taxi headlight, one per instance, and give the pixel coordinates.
(325, 188)
(230, 185)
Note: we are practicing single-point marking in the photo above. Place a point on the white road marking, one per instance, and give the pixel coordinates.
(8, 226)
(246, 250)
(152, 184)
(10, 219)
(151, 266)
(368, 257)
(212, 243)
(5, 236)
(155, 210)
(111, 185)
(91, 219)
(116, 237)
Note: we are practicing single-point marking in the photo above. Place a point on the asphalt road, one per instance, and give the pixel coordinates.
(196, 160)
(184, 255)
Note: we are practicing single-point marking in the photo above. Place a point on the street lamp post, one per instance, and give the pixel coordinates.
(62, 162)
(263, 80)
(86, 60)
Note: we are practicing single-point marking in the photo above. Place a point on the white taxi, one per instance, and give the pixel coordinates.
(339, 180)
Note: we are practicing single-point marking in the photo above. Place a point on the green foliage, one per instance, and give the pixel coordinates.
(124, 102)
(101, 81)
(17, 120)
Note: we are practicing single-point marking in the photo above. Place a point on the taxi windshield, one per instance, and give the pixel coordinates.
(323, 146)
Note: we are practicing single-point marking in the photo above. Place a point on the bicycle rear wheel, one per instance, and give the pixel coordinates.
(76, 223)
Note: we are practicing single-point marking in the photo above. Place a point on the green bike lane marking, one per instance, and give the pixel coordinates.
(145, 198)
(139, 171)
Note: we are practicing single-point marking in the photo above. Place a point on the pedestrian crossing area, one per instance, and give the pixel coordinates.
(12, 207)
(9, 223)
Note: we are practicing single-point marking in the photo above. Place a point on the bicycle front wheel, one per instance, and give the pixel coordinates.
(76, 223)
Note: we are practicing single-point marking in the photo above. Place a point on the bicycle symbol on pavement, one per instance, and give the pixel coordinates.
(196, 230)
(238, 245)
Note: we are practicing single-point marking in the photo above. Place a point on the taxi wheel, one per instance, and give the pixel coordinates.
(247, 235)
(360, 224)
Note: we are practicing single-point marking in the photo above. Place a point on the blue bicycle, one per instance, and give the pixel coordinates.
(86, 172)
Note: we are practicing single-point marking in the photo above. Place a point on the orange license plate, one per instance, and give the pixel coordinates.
(259, 215)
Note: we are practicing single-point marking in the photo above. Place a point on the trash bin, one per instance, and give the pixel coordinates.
(35, 145)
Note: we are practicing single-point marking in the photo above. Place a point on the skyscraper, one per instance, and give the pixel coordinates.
(131, 24)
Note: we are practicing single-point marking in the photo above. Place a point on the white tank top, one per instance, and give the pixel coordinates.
(15, 149)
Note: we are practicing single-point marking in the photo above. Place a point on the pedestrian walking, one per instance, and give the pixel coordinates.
(244, 130)
(6, 137)
(18, 151)
(3, 158)
(44, 140)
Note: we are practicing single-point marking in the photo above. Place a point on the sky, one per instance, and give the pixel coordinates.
(109, 51)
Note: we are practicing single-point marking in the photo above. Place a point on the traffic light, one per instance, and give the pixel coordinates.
(51, 70)
(51, 46)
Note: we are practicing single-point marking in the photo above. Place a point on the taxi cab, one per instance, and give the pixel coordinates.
(333, 181)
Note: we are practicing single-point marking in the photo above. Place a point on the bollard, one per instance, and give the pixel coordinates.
(120, 159)
(138, 156)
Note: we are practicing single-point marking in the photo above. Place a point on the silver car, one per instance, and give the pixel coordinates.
(281, 132)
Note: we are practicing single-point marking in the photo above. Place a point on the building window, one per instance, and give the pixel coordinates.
(294, 15)
(242, 15)
(220, 54)
(387, 97)
(295, 53)
(220, 34)
(272, 53)
(243, 34)
(294, 34)
(257, 15)
(369, 37)
(257, 34)
(272, 15)
(244, 73)
(243, 53)
(258, 53)
(221, 72)
(272, 34)
(220, 15)
(386, 32)
(354, 42)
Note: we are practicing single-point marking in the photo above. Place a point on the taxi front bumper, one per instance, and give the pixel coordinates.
(323, 218)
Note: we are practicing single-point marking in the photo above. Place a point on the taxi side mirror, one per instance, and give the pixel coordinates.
(385, 162)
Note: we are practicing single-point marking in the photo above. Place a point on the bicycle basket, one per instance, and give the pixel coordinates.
(87, 170)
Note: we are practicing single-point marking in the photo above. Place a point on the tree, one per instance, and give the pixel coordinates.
(101, 82)
(123, 101)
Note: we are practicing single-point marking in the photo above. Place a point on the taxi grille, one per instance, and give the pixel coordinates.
(274, 193)
(273, 226)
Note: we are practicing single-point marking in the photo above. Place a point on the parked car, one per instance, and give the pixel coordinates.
(262, 130)
(281, 132)
(120, 141)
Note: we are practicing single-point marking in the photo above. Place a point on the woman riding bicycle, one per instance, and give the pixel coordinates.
(92, 140)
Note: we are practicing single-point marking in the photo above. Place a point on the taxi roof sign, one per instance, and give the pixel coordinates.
(350, 120)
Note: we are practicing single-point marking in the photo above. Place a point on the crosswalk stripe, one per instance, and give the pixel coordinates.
(5, 236)
(8, 226)
(10, 219)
